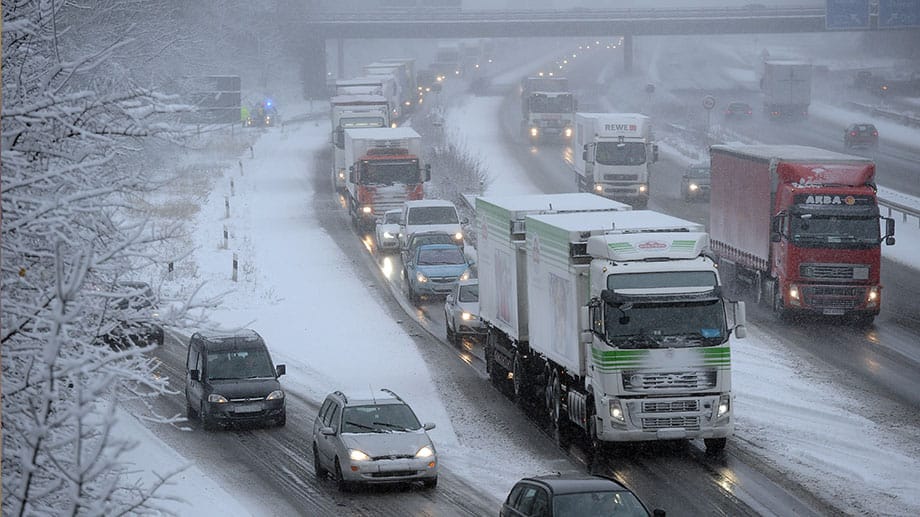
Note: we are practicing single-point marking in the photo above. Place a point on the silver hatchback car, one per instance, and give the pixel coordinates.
(461, 312)
(372, 439)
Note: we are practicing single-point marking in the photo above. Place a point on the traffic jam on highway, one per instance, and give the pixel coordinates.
(609, 309)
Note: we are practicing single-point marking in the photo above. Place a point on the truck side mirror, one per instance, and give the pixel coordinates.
(584, 155)
(586, 335)
(740, 317)
(889, 231)
(427, 172)
(352, 175)
(654, 153)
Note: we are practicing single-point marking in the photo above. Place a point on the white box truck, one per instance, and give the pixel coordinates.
(628, 337)
(383, 172)
(786, 89)
(350, 112)
(372, 85)
(612, 155)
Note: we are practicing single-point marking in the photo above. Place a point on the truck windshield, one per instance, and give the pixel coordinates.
(540, 103)
(390, 172)
(813, 231)
(679, 325)
(432, 215)
(620, 153)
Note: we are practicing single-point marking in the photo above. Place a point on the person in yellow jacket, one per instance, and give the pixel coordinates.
(244, 115)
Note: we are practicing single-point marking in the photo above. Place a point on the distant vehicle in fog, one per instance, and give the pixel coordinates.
(738, 111)
(860, 136)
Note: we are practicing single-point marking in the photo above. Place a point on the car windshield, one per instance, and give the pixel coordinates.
(391, 217)
(247, 363)
(381, 418)
(620, 153)
(814, 231)
(698, 172)
(469, 293)
(433, 215)
(598, 504)
(440, 256)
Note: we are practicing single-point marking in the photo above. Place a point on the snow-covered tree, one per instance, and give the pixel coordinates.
(73, 123)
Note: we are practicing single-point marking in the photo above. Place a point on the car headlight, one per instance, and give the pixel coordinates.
(534, 131)
(367, 209)
(598, 188)
(465, 275)
(725, 406)
(466, 316)
(425, 452)
(458, 236)
(568, 132)
(421, 277)
(356, 455)
(616, 410)
(341, 175)
(217, 399)
(275, 395)
(694, 187)
(388, 235)
(643, 188)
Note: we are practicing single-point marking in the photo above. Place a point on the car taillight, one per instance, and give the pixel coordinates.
(852, 133)
(875, 133)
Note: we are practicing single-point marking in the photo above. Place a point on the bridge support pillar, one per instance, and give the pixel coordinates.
(313, 71)
(340, 58)
(628, 52)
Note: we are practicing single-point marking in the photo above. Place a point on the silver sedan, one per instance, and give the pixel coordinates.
(461, 312)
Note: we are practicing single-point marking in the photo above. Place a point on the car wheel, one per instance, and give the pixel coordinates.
(451, 337)
(281, 420)
(318, 468)
(430, 483)
(715, 445)
(190, 412)
(414, 298)
(207, 423)
(344, 486)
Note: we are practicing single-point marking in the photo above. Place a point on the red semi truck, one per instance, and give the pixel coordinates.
(801, 225)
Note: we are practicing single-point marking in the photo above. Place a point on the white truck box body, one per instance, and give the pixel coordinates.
(500, 221)
(353, 111)
(558, 283)
(787, 83)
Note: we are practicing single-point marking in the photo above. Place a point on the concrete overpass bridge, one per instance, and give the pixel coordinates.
(322, 27)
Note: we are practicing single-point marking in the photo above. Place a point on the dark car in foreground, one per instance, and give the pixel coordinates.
(557, 495)
(696, 182)
(230, 378)
(860, 136)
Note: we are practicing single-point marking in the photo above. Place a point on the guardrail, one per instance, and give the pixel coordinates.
(903, 118)
(906, 211)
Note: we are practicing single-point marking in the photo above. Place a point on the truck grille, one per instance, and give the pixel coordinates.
(845, 272)
(833, 297)
(691, 423)
(621, 177)
(645, 381)
(675, 406)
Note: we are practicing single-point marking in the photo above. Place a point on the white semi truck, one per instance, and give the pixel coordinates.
(786, 89)
(409, 78)
(350, 112)
(612, 155)
(627, 336)
(383, 172)
(384, 85)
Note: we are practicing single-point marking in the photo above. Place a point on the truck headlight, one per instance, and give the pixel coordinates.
(367, 209)
(534, 131)
(872, 296)
(421, 277)
(643, 188)
(275, 395)
(466, 316)
(694, 187)
(725, 405)
(568, 132)
(599, 188)
(616, 411)
(217, 399)
(465, 275)
(342, 175)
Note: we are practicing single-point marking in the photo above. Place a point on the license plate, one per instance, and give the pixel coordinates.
(833, 312)
(248, 408)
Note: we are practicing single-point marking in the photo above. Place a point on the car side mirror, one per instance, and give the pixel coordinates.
(194, 374)
(280, 370)
(428, 426)
(326, 431)
(464, 220)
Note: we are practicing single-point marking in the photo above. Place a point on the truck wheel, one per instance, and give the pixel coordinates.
(864, 321)
(595, 445)
(556, 418)
(779, 308)
(714, 445)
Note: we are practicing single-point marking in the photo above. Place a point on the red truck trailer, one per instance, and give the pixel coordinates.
(801, 225)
